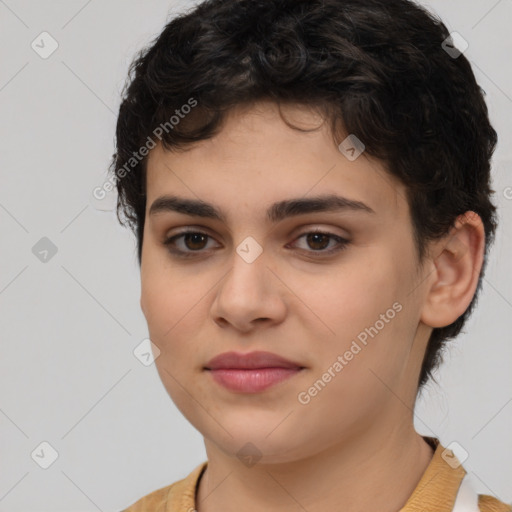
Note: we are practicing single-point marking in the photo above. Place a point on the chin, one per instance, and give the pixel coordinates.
(261, 442)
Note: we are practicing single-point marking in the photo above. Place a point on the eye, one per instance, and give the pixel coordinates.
(318, 240)
(194, 242)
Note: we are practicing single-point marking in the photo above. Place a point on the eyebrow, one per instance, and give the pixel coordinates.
(275, 213)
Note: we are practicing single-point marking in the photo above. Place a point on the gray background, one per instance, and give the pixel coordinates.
(69, 325)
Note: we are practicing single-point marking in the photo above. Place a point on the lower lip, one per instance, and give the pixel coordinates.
(254, 380)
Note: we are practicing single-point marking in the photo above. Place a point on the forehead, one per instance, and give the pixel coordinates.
(256, 159)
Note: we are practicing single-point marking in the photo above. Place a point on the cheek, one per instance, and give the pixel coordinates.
(366, 312)
(167, 296)
(173, 313)
(352, 297)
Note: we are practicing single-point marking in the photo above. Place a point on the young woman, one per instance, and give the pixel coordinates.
(309, 184)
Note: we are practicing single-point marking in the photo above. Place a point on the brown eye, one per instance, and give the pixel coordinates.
(317, 241)
(195, 241)
(188, 243)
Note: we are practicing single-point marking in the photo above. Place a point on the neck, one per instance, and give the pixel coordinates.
(375, 471)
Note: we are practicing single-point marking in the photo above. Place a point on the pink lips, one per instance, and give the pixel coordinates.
(252, 372)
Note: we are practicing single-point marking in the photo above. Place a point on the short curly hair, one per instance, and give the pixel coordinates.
(379, 69)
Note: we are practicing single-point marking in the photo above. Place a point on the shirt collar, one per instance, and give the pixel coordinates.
(438, 487)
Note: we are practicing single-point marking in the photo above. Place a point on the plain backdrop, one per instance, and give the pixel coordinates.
(69, 284)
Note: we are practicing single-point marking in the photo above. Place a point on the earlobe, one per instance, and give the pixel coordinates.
(458, 264)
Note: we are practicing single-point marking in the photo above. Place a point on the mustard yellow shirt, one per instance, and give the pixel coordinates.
(435, 492)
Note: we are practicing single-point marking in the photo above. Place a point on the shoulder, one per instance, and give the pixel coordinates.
(491, 504)
(175, 497)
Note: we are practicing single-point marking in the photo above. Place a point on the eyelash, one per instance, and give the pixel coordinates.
(342, 244)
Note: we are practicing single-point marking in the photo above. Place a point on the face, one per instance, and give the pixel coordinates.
(344, 303)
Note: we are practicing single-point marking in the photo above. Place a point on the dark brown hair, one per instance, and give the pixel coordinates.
(376, 68)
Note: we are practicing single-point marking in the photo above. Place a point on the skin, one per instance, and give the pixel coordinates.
(354, 442)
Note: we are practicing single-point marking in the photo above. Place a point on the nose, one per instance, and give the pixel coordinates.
(249, 294)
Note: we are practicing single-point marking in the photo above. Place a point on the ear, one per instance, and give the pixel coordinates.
(458, 260)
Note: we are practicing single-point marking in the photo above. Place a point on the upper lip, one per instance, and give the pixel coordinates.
(237, 360)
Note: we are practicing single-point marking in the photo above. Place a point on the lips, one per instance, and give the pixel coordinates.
(251, 373)
(251, 360)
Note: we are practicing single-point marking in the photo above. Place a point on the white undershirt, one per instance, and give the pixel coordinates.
(467, 498)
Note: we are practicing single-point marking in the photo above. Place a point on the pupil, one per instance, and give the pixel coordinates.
(313, 238)
(194, 237)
